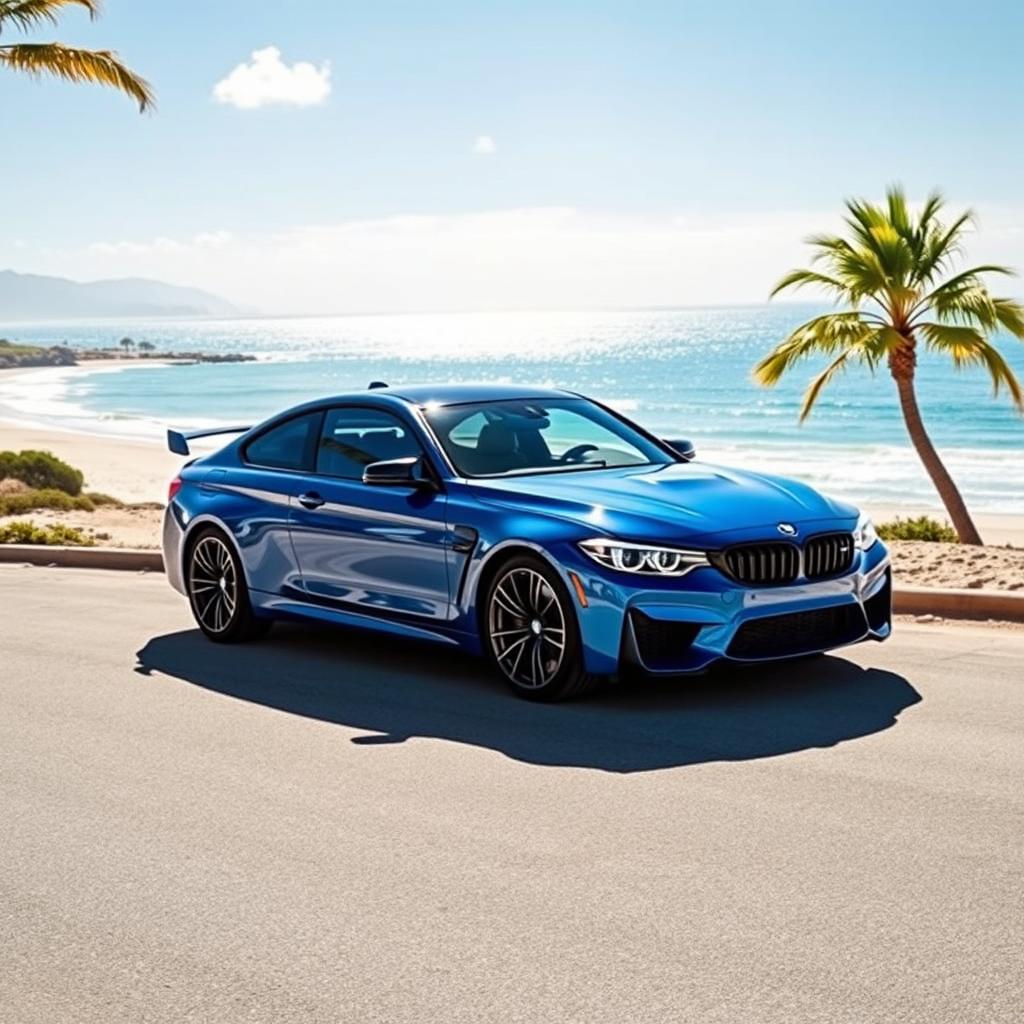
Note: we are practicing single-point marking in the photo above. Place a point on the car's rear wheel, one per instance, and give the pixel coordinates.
(532, 635)
(217, 591)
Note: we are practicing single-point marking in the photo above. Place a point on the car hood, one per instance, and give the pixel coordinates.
(682, 502)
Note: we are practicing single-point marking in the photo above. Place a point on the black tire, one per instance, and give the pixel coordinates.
(531, 634)
(217, 591)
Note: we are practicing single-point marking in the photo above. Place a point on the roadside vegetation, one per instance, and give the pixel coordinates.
(56, 535)
(16, 501)
(35, 481)
(896, 273)
(920, 528)
(38, 470)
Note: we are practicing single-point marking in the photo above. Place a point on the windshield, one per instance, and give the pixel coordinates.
(538, 436)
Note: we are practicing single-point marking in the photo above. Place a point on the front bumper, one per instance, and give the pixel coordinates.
(703, 617)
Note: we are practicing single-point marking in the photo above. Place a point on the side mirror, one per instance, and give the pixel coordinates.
(406, 472)
(684, 449)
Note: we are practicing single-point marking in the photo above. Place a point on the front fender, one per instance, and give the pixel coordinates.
(478, 568)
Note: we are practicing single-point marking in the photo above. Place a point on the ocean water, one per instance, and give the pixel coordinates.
(682, 373)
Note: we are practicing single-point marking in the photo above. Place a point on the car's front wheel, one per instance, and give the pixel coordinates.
(532, 635)
(217, 590)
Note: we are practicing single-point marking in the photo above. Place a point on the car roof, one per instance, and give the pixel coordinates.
(458, 394)
(422, 395)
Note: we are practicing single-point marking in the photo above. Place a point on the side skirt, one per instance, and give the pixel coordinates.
(278, 605)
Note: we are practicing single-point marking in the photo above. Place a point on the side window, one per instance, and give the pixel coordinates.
(286, 446)
(352, 438)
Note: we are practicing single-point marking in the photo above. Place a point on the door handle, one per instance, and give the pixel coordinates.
(310, 500)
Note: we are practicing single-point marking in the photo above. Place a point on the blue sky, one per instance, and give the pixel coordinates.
(654, 129)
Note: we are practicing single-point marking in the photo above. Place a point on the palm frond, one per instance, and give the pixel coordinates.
(963, 298)
(898, 211)
(828, 244)
(801, 278)
(29, 14)
(932, 205)
(818, 384)
(970, 304)
(919, 230)
(1010, 315)
(941, 247)
(967, 346)
(895, 254)
(863, 218)
(971, 276)
(863, 271)
(829, 334)
(75, 65)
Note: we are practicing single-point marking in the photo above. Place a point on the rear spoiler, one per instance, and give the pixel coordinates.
(177, 440)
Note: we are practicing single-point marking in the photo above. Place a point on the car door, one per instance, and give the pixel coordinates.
(254, 498)
(370, 548)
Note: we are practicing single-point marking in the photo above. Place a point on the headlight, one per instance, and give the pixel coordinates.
(642, 558)
(864, 536)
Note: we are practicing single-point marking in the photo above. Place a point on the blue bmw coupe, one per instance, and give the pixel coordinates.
(535, 526)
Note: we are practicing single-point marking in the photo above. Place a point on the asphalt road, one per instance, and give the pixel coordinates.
(326, 828)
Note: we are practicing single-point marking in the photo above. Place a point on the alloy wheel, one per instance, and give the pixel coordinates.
(526, 626)
(213, 584)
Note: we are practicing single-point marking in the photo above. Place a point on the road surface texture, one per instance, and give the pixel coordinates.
(328, 828)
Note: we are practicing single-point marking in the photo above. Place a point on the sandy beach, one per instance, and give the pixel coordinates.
(129, 470)
(138, 471)
(132, 471)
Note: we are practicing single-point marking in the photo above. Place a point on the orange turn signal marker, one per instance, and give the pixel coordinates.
(580, 592)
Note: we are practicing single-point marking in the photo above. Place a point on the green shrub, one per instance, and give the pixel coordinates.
(41, 470)
(32, 501)
(23, 532)
(921, 528)
(98, 498)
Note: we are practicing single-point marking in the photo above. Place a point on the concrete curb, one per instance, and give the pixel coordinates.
(949, 603)
(131, 559)
(959, 603)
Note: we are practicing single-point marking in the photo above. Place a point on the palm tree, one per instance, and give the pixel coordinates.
(127, 344)
(146, 347)
(895, 270)
(71, 63)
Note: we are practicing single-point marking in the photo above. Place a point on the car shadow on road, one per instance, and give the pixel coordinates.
(396, 689)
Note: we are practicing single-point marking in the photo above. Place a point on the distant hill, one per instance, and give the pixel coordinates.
(34, 297)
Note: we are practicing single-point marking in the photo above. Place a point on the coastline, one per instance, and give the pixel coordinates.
(129, 469)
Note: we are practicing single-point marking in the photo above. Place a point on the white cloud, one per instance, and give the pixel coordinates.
(212, 239)
(526, 258)
(529, 258)
(267, 79)
(204, 240)
(485, 146)
(157, 245)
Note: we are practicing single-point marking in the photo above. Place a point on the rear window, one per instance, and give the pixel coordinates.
(289, 445)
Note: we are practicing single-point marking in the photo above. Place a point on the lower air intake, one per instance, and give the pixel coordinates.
(781, 636)
(660, 644)
(879, 607)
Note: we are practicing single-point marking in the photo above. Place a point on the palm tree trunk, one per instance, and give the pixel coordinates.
(948, 490)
